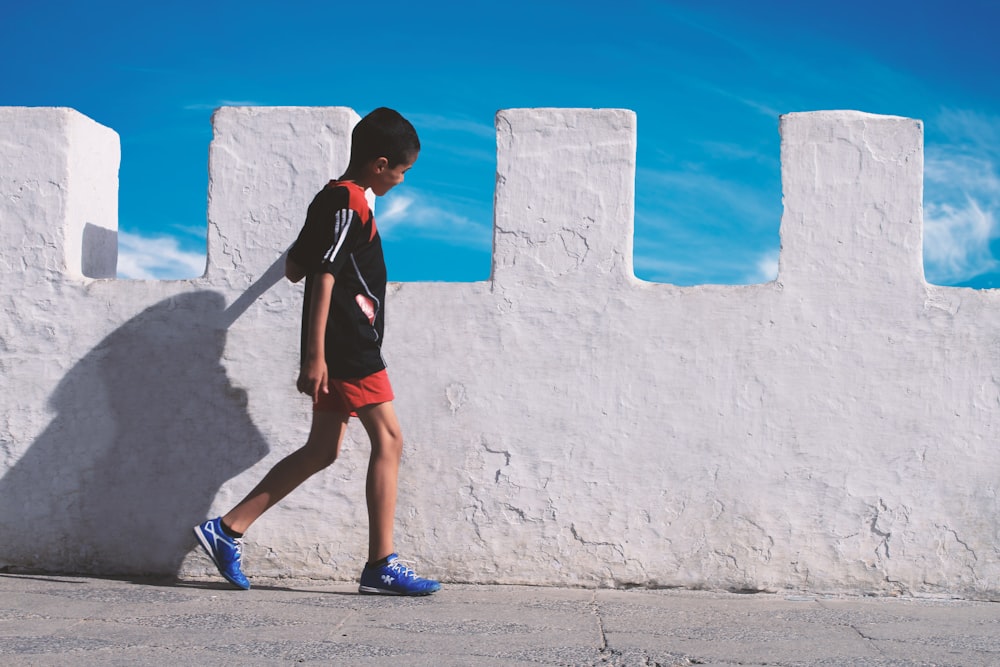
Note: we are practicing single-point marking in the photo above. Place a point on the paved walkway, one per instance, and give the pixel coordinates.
(64, 620)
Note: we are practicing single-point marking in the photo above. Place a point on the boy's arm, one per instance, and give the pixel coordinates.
(313, 374)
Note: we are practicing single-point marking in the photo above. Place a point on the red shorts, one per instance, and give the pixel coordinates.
(346, 396)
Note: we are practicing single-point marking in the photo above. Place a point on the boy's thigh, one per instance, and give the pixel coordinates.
(328, 428)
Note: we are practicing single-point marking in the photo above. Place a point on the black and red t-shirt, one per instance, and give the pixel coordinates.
(339, 237)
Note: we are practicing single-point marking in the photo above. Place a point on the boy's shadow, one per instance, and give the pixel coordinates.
(147, 429)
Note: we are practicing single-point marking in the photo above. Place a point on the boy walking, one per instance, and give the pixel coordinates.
(339, 253)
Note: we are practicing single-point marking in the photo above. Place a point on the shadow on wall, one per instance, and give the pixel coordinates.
(100, 252)
(148, 428)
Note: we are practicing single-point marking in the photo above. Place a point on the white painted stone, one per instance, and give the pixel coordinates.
(566, 423)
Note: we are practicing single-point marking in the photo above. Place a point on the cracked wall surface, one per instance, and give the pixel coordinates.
(565, 422)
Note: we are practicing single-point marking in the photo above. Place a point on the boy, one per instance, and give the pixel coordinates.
(339, 253)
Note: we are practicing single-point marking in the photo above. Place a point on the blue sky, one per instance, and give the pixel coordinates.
(707, 80)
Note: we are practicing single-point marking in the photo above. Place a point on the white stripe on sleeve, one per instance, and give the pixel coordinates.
(342, 224)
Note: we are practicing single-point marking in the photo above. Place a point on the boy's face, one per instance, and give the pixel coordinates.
(386, 177)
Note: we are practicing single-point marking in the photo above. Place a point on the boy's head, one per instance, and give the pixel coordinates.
(384, 133)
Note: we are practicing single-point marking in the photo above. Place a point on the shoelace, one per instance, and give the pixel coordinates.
(238, 548)
(402, 570)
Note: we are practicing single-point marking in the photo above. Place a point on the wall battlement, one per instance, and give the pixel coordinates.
(566, 423)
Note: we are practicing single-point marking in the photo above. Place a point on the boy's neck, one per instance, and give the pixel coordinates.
(361, 180)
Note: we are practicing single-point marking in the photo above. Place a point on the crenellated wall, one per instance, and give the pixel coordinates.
(566, 424)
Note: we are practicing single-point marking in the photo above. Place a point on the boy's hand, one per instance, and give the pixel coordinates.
(313, 379)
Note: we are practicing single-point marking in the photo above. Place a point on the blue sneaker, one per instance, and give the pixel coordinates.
(394, 578)
(224, 551)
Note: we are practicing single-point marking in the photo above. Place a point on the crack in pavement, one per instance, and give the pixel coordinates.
(610, 656)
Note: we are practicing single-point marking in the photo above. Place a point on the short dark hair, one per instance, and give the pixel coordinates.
(383, 133)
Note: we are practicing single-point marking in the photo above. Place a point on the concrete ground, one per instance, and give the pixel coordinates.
(82, 621)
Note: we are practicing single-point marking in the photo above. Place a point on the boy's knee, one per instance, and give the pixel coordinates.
(320, 454)
(383, 428)
(392, 442)
(397, 442)
(326, 460)
(389, 443)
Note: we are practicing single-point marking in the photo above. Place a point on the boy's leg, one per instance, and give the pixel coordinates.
(216, 535)
(321, 449)
(386, 438)
(384, 573)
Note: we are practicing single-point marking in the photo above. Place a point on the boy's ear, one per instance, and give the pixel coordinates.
(380, 164)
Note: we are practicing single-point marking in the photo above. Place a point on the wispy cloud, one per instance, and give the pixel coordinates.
(964, 126)
(766, 269)
(956, 241)
(415, 214)
(694, 227)
(156, 258)
(716, 266)
(462, 124)
(735, 152)
(762, 108)
(460, 137)
(649, 266)
(962, 197)
(704, 203)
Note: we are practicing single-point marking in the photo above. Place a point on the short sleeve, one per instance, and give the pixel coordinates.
(328, 234)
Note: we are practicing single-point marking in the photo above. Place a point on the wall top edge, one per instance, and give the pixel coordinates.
(842, 115)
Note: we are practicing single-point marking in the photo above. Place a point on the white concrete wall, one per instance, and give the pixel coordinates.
(566, 423)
